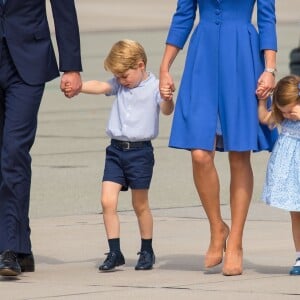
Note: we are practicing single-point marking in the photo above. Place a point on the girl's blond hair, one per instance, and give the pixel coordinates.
(287, 91)
(124, 55)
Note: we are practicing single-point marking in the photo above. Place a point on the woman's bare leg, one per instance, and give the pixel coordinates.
(207, 184)
(241, 188)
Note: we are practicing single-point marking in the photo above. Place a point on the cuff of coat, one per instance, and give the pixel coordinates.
(176, 39)
(268, 40)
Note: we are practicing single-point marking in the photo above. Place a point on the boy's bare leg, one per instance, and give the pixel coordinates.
(142, 210)
(109, 201)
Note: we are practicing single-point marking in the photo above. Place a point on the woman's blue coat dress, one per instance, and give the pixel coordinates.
(224, 61)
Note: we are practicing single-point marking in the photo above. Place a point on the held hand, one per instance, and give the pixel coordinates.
(167, 93)
(166, 86)
(260, 93)
(71, 84)
(68, 88)
(265, 85)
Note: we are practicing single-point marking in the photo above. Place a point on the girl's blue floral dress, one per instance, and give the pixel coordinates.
(282, 184)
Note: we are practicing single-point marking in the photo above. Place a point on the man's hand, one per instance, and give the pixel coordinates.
(72, 80)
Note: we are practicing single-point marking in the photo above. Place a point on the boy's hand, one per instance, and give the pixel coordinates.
(166, 93)
(166, 86)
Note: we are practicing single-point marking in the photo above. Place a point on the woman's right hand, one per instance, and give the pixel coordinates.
(166, 85)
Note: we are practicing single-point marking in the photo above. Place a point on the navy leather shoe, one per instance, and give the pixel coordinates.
(113, 259)
(26, 262)
(9, 265)
(146, 260)
(295, 270)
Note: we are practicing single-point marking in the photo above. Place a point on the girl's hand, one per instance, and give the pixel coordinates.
(260, 92)
(295, 113)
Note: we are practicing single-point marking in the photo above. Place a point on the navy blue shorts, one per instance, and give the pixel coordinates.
(129, 164)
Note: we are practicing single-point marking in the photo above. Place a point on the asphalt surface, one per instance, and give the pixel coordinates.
(67, 229)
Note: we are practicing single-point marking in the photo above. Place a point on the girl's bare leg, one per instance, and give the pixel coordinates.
(207, 184)
(241, 188)
(295, 218)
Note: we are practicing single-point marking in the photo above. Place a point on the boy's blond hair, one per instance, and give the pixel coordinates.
(124, 55)
(287, 91)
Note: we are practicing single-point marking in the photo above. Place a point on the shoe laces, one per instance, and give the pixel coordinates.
(110, 256)
(142, 255)
(8, 256)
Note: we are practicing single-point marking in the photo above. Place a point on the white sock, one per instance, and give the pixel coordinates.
(297, 259)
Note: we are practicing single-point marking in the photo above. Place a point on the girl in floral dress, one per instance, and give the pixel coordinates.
(282, 183)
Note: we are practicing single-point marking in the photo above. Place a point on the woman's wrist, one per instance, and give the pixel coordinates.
(273, 71)
(163, 69)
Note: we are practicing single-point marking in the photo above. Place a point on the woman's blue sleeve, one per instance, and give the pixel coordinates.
(182, 23)
(266, 21)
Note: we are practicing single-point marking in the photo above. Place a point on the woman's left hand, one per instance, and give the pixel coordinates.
(265, 85)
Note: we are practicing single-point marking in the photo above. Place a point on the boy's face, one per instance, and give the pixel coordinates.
(132, 77)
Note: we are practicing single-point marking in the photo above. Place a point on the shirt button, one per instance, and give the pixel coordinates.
(217, 11)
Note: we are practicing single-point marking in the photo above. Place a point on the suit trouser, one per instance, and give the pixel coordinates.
(19, 105)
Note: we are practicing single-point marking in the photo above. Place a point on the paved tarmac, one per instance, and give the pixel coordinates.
(67, 228)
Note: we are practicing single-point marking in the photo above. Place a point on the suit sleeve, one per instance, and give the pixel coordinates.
(67, 35)
(266, 21)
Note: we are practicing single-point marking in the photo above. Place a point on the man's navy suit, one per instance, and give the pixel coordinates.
(27, 62)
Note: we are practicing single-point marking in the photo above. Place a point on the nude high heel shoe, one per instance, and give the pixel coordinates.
(233, 263)
(214, 257)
